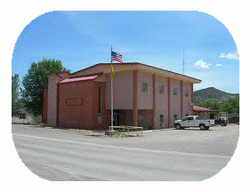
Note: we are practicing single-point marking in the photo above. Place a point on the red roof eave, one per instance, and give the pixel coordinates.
(83, 78)
(202, 109)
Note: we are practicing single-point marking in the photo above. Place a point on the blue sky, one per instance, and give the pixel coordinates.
(82, 39)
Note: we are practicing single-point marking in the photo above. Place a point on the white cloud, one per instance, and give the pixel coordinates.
(230, 55)
(218, 65)
(202, 64)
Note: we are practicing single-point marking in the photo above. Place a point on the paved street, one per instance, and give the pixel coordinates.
(166, 155)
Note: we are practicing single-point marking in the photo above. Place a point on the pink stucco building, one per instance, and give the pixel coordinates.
(143, 96)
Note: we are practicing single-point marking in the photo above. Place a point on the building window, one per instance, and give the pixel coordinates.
(186, 93)
(145, 86)
(140, 120)
(161, 118)
(100, 100)
(161, 89)
(175, 117)
(175, 91)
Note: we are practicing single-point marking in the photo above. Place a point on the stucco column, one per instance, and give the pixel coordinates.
(135, 97)
(169, 102)
(182, 99)
(57, 105)
(154, 103)
(192, 98)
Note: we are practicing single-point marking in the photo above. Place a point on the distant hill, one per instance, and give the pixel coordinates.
(212, 94)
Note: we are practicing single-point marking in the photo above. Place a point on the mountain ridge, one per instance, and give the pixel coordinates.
(212, 94)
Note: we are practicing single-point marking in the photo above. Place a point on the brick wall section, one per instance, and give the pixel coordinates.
(78, 105)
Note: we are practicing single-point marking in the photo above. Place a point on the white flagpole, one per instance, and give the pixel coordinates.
(112, 99)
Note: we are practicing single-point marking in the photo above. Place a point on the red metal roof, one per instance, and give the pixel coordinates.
(202, 109)
(85, 78)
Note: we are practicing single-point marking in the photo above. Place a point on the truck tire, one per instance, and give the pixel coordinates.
(202, 127)
(177, 126)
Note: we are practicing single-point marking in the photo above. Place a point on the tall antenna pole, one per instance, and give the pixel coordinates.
(183, 57)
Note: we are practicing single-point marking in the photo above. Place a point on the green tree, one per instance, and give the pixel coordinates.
(35, 81)
(16, 92)
(231, 106)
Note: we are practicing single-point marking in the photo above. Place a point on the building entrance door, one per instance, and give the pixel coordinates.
(116, 119)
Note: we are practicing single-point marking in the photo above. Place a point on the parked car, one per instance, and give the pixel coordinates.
(221, 121)
(233, 118)
(193, 121)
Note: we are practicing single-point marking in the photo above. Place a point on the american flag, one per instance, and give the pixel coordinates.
(115, 56)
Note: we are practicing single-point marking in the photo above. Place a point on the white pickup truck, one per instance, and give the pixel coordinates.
(193, 121)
